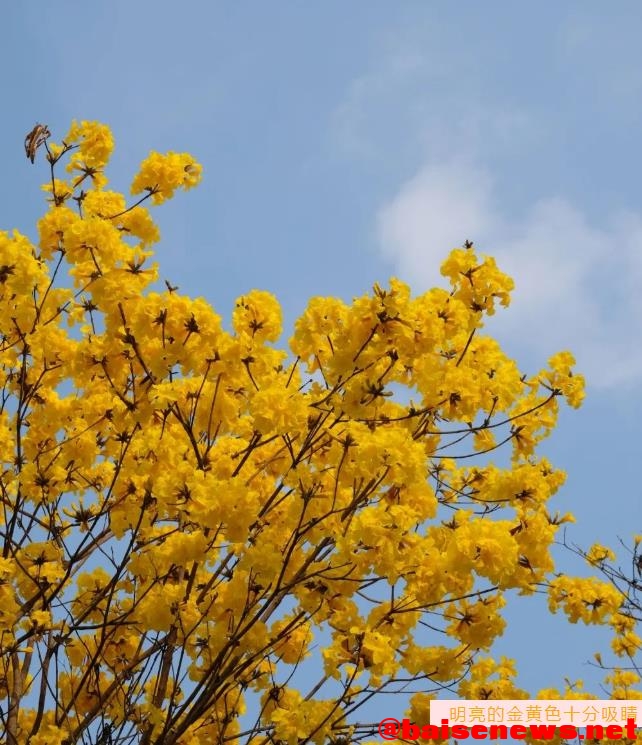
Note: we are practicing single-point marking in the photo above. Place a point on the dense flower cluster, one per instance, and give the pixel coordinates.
(190, 515)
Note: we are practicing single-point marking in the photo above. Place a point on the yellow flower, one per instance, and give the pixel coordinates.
(598, 553)
(293, 638)
(96, 145)
(161, 175)
(258, 315)
(589, 600)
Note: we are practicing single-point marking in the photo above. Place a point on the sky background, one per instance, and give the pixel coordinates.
(344, 143)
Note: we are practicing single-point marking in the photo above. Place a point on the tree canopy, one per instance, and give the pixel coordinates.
(214, 535)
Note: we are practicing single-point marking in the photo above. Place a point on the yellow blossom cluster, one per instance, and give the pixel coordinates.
(625, 589)
(189, 515)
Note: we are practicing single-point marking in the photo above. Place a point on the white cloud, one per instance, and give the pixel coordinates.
(577, 285)
(437, 209)
(578, 276)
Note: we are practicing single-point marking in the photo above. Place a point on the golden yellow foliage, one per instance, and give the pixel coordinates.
(187, 512)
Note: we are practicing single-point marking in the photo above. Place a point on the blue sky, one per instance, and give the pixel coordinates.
(347, 142)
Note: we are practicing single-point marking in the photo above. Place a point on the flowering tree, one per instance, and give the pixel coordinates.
(207, 537)
(623, 582)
